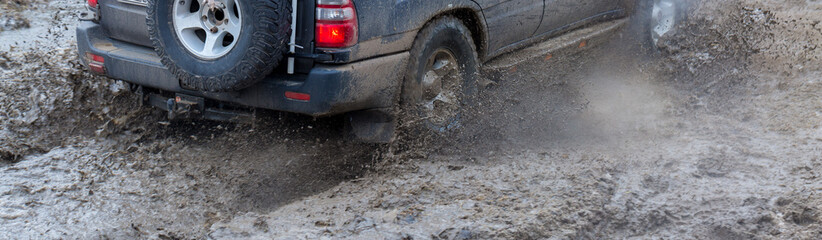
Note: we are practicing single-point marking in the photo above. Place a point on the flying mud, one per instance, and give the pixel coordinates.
(715, 136)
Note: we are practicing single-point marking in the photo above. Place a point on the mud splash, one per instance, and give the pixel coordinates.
(714, 138)
(608, 144)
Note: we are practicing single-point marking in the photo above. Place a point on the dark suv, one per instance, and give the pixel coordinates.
(215, 58)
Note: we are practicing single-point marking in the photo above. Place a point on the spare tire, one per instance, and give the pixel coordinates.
(219, 45)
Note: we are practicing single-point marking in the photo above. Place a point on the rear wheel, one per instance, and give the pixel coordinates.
(441, 78)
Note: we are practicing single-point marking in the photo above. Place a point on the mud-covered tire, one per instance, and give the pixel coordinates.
(451, 34)
(259, 48)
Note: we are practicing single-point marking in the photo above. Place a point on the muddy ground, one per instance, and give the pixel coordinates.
(717, 136)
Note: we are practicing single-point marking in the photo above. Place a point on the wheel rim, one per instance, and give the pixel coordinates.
(209, 29)
(663, 18)
(441, 85)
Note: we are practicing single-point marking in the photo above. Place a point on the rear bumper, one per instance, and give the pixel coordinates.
(334, 89)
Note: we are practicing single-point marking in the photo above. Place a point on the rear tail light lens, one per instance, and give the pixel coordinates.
(336, 25)
(333, 2)
(92, 3)
(335, 14)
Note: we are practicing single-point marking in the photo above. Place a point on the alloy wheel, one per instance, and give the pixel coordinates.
(209, 29)
(441, 88)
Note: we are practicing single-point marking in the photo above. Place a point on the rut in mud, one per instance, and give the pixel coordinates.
(715, 137)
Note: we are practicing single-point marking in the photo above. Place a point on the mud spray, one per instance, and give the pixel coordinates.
(716, 136)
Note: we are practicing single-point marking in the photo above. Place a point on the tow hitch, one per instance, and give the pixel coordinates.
(183, 106)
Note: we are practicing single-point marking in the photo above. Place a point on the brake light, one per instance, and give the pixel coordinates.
(92, 3)
(336, 25)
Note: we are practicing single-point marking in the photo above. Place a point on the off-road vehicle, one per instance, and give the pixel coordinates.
(214, 58)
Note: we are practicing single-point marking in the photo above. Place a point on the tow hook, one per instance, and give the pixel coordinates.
(184, 106)
(172, 105)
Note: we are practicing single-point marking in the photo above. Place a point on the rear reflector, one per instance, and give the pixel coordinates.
(298, 96)
(97, 58)
(90, 57)
(96, 63)
(92, 3)
(97, 68)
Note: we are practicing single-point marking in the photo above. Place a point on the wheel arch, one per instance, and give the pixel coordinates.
(473, 20)
(391, 26)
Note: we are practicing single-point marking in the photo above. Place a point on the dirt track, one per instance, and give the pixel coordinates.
(717, 137)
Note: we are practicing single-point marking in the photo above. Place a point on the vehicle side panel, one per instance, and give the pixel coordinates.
(510, 21)
(559, 13)
(380, 18)
(564, 15)
(390, 26)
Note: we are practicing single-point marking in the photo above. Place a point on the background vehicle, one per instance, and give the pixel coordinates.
(325, 57)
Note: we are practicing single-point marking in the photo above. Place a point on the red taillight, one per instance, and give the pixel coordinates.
(96, 63)
(92, 3)
(298, 96)
(336, 35)
(336, 25)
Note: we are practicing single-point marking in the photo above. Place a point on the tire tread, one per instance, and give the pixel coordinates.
(269, 45)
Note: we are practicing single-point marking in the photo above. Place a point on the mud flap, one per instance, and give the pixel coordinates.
(372, 126)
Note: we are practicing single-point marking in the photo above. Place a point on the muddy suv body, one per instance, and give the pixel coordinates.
(327, 81)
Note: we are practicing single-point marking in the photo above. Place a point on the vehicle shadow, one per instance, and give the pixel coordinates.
(260, 166)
